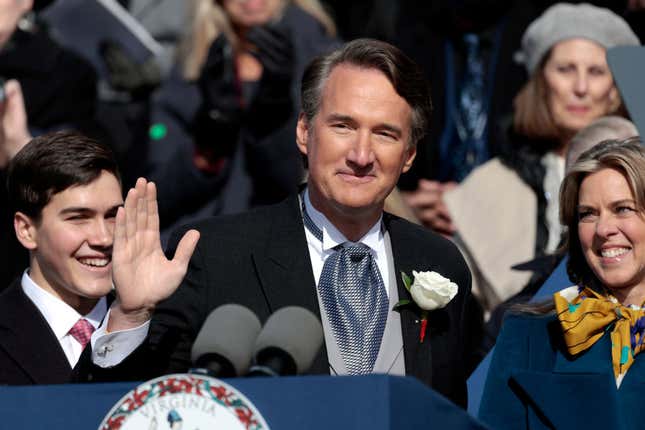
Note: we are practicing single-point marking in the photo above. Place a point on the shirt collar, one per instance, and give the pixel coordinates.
(332, 237)
(60, 316)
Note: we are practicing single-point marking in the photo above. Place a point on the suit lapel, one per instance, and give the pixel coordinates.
(284, 268)
(418, 356)
(26, 336)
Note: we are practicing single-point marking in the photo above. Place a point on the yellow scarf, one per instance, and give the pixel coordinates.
(586, 315)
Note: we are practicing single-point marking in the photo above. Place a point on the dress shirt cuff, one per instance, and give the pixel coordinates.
(110, 349)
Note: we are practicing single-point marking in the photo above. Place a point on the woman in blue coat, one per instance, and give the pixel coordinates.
(575, 362)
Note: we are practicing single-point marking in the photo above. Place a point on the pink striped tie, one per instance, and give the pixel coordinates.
(82, 331)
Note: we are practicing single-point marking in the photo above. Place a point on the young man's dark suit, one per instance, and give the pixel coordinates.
(29, 350)
(260, 259)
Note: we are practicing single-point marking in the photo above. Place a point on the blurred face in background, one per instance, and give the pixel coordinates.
(10, 13)
(249, 13)
(579, 84)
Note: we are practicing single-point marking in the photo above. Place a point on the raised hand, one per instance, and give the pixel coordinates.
(217, 122)
(142, 274)
(274, 49)
(14, 133)
(427, 203)
(272, 104)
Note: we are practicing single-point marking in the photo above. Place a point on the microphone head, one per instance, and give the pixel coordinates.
(294, 330)
(229, 331)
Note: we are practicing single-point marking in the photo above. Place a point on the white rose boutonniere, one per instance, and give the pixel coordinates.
(429, 291)
(432, 291)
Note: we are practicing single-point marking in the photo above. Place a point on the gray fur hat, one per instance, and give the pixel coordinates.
(567, 21)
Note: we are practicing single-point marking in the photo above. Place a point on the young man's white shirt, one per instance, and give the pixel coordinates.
(61, 318)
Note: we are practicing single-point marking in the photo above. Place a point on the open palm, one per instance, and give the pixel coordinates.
(142, 274)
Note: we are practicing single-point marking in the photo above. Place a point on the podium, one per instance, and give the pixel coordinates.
(306, 402)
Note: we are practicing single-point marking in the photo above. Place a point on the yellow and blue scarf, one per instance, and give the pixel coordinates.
(586, 315)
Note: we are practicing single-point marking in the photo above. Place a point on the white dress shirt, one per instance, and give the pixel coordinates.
(319, 251)
(61, 317)
(110, 348)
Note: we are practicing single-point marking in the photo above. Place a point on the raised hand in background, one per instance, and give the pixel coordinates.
(14, 133)
(272, 104)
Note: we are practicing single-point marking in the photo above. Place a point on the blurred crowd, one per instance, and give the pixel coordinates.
(202, 97)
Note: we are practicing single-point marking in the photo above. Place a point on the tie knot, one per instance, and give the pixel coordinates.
(82, 331)
(356, 251)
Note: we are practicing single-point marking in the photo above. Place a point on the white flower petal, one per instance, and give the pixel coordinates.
(432, 291)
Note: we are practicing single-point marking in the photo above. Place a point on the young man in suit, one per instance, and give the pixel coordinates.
(65, 191)
(365, 106)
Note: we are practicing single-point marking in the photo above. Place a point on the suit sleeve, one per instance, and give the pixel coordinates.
(177, 320)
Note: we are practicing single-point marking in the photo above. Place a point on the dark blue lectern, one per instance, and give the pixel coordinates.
(310, 402)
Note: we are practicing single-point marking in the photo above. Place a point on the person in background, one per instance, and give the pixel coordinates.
(236, 97)
(14, 134)
(581, 350)
(166, 21)
(46, 87)
(505, 211)
(470, 46)
(59, 86)
(604, 128)
(247, 59)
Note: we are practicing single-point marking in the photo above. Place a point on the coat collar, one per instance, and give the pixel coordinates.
(285, 259)
(583, 383)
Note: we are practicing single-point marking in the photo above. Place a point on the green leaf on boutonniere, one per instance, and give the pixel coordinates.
(401, 303)
(407, 281)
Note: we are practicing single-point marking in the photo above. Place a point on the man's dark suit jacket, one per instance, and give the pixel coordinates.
(260, 260)
(29, 350)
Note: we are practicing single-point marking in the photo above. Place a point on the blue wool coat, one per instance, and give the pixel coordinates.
(533, 383)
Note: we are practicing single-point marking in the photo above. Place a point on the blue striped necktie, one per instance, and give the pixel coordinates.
(354, 297)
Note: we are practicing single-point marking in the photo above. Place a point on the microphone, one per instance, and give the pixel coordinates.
(288, 343)
(224, 345)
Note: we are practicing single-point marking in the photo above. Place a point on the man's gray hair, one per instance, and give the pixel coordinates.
(404, 74)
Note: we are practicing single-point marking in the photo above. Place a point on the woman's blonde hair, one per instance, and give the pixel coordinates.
(208, 20)
(627, 157)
